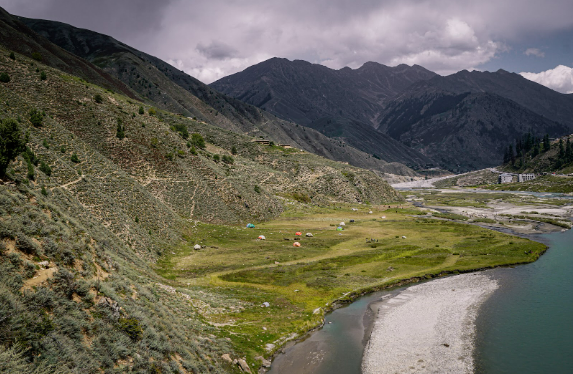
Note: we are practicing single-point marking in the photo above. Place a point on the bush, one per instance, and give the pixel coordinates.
(98, 98)
(4, 78)
(36, 117)
(181, 129)
(45, 168)
(257, 189)
(193, 151)
(30, 174)
(197, 140)
(141, 111)
(37, 56)
(11, 143)
(12, 56)
(43, 191)
(120, 129)
(43, 76)
(216, 158)
(234, 150)
(75, 158)
(152, 111)
(228, 160)
(131, 327)
(45, 144)
(26, 245)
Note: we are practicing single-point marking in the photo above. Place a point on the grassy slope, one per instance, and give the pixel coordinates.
(369, 254)
(106, 219)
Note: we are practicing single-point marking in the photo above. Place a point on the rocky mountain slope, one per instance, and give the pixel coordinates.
(460, 122)
(466, 131)
(106, 186)
(343, 104)
(173, 90)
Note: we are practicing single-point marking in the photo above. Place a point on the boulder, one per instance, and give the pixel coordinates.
(197, 247)
(227, 358)
(243, 365)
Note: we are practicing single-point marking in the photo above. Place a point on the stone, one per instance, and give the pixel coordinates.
(227, 358)
(45, 264)
(243, 365)
(197, 247)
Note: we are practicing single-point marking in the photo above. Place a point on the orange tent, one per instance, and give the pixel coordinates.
(298, 233)
(296, 244)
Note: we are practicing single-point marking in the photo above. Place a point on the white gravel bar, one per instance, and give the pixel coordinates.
(428, 328)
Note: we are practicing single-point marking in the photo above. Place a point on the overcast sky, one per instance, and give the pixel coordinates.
(210, 39)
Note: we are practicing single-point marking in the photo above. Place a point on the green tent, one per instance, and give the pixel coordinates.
(250, 226)
(339, 228)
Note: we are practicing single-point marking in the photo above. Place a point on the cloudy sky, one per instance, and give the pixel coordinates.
(210, 39)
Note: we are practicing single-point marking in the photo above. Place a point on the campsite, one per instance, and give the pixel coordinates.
(239, 272)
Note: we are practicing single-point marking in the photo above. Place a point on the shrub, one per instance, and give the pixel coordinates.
(43, 191)
(63, 149)
(75, 158)
(26, 245)
(257, 189)
(234, 150)
(98, 98)
(120, 129)
(36, 117)
(141, 111)
(45, 168)
(181, 129)
(29, 156)
(216, 158)
(11, 143)
(131, 327)
(197, 140)
(228, 160)
(30, 174)
(45, 144)
(152, 111)
(154, 142)
(4, 78)
(193, 151)
(43, 76)
(12, 56)
(37, 56)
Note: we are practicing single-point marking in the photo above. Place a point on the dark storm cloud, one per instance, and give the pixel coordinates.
(213, 38)
(216, 50)
(129, 21)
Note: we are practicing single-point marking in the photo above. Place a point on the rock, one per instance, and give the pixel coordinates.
(45, 264)
(266, 363)
(197, 247)
(243, 365)
(266, 304)
(308, 235)
(109, 303)
(316, 311)
(370, 212)
(226, 357)
(403, 237)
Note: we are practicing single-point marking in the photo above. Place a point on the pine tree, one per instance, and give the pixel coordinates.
(546, 143)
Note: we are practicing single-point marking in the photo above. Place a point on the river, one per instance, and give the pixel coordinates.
(526, 326)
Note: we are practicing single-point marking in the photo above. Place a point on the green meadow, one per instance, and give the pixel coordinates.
(239, 272)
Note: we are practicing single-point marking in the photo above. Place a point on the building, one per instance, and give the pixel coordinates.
(505, 178)
(525, 177)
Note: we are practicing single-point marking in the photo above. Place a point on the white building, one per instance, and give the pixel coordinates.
(525, 177)
(505, 178)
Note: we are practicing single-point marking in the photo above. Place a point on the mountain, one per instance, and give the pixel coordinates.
(465, 121)
(346, 101)
(103, 190)
(465, 131)
(173, 90)
(17, 37)
(544, 101)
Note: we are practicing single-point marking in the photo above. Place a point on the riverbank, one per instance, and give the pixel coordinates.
(428, 327)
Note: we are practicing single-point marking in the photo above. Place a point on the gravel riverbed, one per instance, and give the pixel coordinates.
(428, 328)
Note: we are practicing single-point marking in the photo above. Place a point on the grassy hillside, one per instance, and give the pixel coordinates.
(108, 186)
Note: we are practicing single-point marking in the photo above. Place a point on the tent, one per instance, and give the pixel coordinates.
(308, 235)
(296, 244)
(262, 237)
(298, 233)
(339, 228)
(250, 226)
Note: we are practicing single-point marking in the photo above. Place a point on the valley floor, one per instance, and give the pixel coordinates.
(262, 293)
